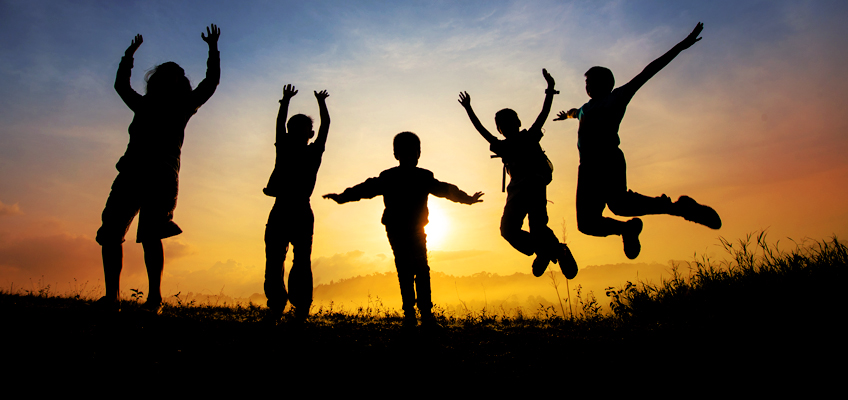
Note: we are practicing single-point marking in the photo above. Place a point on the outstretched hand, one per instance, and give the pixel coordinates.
(212, 35)
(465, 99)
(549, 79)
(321, 95)
(289, 91)
(476, 198)
(134, 45)
(693, 37)
(563, 115)
(333, 196)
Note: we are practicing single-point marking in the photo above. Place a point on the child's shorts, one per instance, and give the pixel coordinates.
(152, 195)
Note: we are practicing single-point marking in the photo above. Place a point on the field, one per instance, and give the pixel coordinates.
(762, 315)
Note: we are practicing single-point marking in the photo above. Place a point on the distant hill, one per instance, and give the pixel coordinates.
(499, 294)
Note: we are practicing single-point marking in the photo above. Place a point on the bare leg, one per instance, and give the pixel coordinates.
(113, 256)
(154, 259)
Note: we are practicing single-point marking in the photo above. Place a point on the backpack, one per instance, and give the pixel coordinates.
(544, 169)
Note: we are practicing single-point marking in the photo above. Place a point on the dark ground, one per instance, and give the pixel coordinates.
(59, 337)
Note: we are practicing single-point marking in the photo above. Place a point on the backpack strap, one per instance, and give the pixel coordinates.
(503, 179)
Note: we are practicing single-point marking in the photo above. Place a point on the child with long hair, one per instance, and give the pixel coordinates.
(148, 172)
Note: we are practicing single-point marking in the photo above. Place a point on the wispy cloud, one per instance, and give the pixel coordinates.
(9, 209)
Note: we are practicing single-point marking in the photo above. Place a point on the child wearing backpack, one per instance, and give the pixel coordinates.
(530, 172)
(147, 181)
(405, 190)
(291, 220)
(602, 176)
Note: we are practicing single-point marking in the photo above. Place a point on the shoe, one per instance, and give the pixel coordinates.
(276, 305)
(540, 264)
(277, 296)
(567, 262)
(106, 305)
(430, 324)
(301, 314)
(409, 322)
(690, 210)
(632, 247)
(153, 306)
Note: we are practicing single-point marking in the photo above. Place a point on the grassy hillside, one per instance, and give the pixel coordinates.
(760, 314)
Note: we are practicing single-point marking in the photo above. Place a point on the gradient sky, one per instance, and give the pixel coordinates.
(749, 120)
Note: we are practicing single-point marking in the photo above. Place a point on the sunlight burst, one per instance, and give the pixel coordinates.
(438, 227)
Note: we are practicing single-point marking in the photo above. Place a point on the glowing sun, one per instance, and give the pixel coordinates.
(438, 227)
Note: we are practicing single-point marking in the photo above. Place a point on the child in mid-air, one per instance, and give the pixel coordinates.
(405, 190)
(530, 172)
(147, 180)
(602, 179)
(291, 220)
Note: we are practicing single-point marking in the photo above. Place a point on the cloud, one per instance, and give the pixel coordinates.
(353, 263)
(175, 249)
(230, 277)
(59, 259)
(6, 209)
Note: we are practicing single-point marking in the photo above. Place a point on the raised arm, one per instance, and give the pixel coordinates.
(206, 88)
(549, 99)
(288, 92)
(465, 101)
(658, 64)
(122, 80)
(321, 139)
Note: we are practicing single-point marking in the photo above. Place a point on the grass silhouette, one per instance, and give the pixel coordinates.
(762, 312)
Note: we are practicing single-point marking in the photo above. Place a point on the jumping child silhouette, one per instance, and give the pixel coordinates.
(602, 178)
(405, 190)
(147, 181)
(530, 172)
(291, 220)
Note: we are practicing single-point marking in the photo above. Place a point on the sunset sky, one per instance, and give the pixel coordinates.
(750, 121)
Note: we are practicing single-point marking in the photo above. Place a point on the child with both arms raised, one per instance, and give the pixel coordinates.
(405, 190)
(148, 173)
(530, 172)
(291, 220)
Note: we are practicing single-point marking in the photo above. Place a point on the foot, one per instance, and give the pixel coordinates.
(540, 264)
(153, 306)
(690, 210)
(630, 237)
(567, 262)
(277, 296)
(409, 322)
(107, 305)
(429, 323)
(301, 314)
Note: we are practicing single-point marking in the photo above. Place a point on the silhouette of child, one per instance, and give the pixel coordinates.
(405, 190)
(291, 220)
(530, 172)
(602, 178)
(147, 181)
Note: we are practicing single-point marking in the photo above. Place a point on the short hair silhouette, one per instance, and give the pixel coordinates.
(407, 146)
(599, 81)
(299, 123)
(507, 118)
(167, 78)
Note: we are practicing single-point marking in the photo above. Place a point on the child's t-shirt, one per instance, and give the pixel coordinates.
(600, 120)
(405, 191)
(158, 126)
(295, 172)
